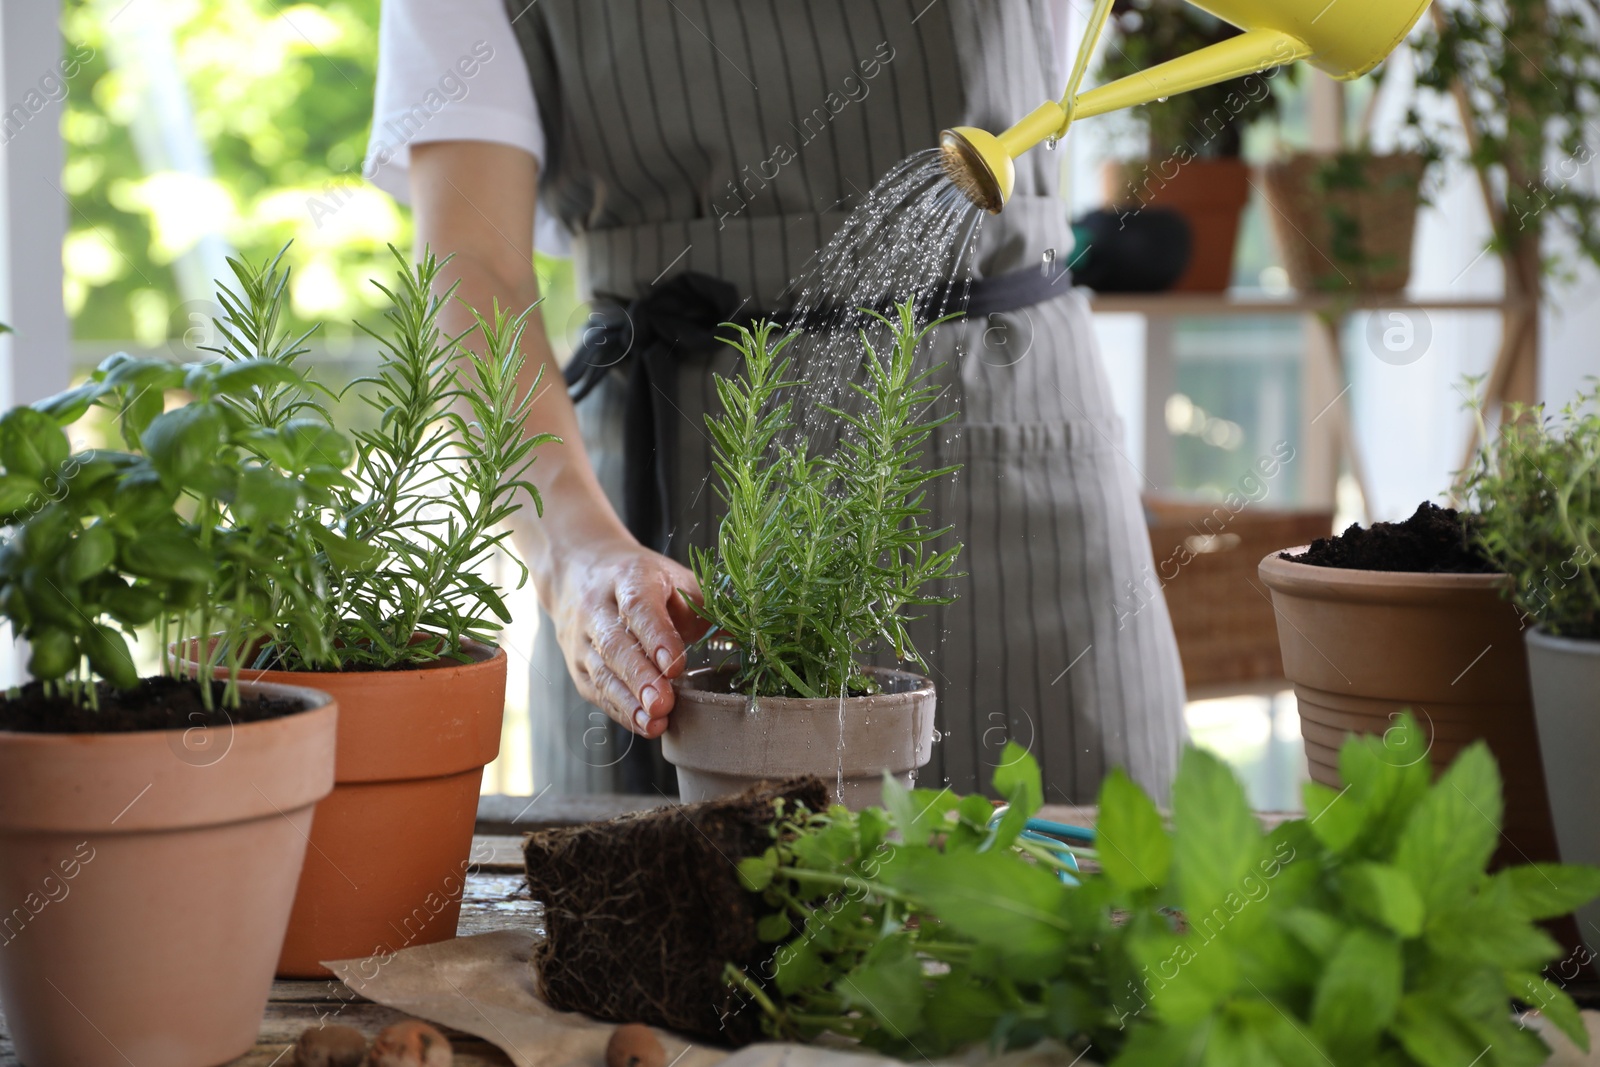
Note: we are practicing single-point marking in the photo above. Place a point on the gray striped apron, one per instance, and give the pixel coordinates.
(666, 122)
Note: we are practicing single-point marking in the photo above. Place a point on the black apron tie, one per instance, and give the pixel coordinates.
(687, 315)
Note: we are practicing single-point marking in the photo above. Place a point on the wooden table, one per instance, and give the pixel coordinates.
(493, 901)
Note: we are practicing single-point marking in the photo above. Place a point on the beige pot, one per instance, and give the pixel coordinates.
(1361, 646)
(146, 880)
(722, 741)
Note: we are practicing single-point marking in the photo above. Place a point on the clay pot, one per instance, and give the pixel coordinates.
(389, 854)
(722, 741)
(1210, 194)
(1361, 646)
(1566, 700)
(146, 880)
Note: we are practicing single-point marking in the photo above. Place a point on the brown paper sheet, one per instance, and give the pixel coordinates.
(484, 985)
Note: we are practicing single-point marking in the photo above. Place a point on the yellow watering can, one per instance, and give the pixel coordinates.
(1344, 38)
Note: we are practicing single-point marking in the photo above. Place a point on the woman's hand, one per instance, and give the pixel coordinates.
(623, 626)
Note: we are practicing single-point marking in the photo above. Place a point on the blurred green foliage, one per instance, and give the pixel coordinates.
(281, 97)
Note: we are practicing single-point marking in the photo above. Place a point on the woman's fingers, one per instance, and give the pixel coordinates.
(624, 657)
(643, 599)
(609, 691)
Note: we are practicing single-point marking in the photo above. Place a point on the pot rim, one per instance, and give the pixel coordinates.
(315, 700)
(1576, 646)
(275, 676)
(717, 698)
(1350, 584)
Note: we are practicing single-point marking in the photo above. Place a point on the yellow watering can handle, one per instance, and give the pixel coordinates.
(1080, 66)
(1248, 53)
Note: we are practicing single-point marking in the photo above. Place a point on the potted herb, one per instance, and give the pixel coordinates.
(403, 639)
(152, 830)
(1536, 489)
(938, 928)
(1367, 932)
(1525, 78)
(1195, 138)
(1344, 221)
(817, 560)
(1411, 615)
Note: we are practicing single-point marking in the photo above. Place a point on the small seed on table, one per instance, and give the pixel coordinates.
(330, 1046)
(634, 1045)
(412, 1043)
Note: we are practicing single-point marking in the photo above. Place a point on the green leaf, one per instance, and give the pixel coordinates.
(1359, 992)
(774, 927)
(68, 407)
(18, 491)
(185, 441)
(756, 872)
(1017, 779)
(264, 495)
(996, 898)
(1429, 1031)
(31, 444)
(1132, 844)
(90, 552)
(1538, 992)
(797, 965)
(1452, 833)
(1386, 895)
(109, 657)
(890, 990)
(1315, 929)
(241, 376)
(53, 653)
(1216, 840)
(1332, 815)
(344, 553)
(166, 554)
(1189, 976)
(1546, 890)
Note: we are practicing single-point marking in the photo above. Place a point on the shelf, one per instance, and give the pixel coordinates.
(1252, 303)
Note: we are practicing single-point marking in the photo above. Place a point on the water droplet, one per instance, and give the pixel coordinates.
(1051, 142)
(1161, 100)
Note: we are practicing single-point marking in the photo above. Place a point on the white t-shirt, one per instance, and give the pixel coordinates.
(451, 70)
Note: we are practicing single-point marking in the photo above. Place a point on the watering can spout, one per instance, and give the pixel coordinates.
(1345, 39)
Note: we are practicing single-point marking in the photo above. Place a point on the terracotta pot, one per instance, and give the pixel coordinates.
(1210, 194)
(389, 854)
(1566, 699)
(146, 880)
(722, 741)
(1361, 646)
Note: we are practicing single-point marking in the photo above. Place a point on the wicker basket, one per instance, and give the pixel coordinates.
(1206, 558)
(1344, 220)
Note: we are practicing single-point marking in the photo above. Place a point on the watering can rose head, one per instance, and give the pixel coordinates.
(1345, 40)
(820, 558)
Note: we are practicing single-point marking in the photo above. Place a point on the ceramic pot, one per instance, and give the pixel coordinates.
(389, 855)
(721, 741)
(1361, 646)
(146, 880)
(1210, 194)
(1566, 700)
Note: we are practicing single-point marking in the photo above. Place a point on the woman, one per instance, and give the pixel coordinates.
(684, 140)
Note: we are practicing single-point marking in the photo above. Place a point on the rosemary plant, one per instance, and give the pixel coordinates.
(1536, 494)
(819, 558)
(432, 484)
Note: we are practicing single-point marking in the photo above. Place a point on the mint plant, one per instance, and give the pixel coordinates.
(819, 557)
(1536, 493)
(191, 531)
(431, 485)
(1368, 932)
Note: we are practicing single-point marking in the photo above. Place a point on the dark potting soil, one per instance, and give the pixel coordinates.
(643, 912)
(1432, 541)
(158, 703)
